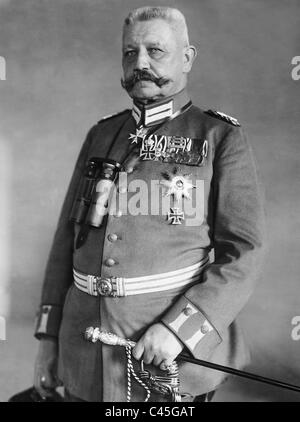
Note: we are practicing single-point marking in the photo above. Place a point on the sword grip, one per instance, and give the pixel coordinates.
(95, 334)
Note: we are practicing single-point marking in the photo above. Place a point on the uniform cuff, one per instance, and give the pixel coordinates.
(192, 327)
(48, 321)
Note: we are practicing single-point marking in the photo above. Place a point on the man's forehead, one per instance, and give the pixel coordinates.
(154, 31)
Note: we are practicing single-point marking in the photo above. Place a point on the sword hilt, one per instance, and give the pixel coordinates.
(95, 334)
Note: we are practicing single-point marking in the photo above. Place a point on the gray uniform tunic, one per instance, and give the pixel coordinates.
(230, 222)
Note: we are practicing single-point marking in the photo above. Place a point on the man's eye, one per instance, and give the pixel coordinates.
(129, 53)
(155, 52)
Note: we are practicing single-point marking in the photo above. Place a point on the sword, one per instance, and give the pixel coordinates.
(95, 334)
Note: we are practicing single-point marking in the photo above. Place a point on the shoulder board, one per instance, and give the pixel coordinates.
(109, 116)
(223, 116)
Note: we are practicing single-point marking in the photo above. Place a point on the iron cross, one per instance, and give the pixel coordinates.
(175, 216)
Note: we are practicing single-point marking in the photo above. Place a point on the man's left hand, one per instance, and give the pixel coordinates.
(158, 346)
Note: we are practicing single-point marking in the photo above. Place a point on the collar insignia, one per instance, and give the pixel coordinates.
(153, 114)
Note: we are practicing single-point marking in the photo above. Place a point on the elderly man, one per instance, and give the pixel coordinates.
(141, 269)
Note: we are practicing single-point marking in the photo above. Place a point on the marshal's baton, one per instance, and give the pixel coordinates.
(95, 334)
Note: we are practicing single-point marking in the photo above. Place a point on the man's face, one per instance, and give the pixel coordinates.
(153, 48)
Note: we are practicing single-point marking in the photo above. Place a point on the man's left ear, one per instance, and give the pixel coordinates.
(190, 54)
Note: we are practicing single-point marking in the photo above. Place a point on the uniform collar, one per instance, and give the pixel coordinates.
(158, 111)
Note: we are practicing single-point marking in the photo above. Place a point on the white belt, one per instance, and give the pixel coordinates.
(120, 286)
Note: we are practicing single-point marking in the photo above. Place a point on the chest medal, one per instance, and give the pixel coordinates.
(171, 149)
(178, 185)
(139, 135)
(160, 147)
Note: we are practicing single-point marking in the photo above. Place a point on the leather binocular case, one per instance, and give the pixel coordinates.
(91, 202)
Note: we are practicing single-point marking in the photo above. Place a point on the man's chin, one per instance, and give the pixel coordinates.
(145, 90)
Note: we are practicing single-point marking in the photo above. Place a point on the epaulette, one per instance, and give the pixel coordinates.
(223, 116)
(109, 116)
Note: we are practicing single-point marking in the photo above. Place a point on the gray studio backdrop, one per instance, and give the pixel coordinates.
(63, 68)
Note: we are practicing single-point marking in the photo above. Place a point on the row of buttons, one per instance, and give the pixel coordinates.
(110, 262)
(112, 237)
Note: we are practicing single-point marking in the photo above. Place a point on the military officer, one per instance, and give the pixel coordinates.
(176, 182)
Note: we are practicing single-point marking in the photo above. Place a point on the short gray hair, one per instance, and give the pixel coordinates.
(173, 16)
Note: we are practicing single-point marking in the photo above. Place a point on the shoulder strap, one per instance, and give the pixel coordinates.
(109, 116)
(222, 116)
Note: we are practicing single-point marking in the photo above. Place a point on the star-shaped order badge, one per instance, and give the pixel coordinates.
(177, 184)
(140, 133)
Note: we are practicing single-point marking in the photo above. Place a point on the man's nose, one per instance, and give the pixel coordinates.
(142, 61)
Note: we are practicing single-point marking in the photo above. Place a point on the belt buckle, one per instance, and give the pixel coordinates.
(104, 286)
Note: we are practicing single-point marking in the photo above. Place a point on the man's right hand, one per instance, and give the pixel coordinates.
(45, 371)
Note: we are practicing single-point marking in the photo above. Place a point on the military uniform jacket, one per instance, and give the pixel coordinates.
(202, 316)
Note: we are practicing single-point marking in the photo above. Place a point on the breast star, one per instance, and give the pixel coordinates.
(178, 185)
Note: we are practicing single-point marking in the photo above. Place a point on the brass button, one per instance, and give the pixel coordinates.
(130, 170)
(204, 329)
(112, 237)
(110, 262)
(118, 214)
(188, 311)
